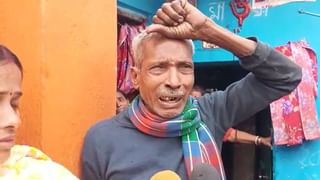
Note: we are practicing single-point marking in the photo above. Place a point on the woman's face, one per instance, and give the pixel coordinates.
(10, 93)
(122, 102)
(196, 94)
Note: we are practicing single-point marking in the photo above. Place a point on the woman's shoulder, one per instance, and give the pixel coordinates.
(22, 151)
(30, 162)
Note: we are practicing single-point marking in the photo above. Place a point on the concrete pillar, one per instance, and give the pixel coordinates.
(68, 50)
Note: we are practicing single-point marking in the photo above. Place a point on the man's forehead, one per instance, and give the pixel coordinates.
(156, 48)
(169, 60)
(168, 48)
(162, 39)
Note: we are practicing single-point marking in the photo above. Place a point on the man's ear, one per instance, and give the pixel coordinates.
(135, 77)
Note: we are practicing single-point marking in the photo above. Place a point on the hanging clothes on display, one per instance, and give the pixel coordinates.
(125, 56)
(294, 117)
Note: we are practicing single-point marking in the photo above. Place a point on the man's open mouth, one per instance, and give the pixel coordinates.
(170, 99)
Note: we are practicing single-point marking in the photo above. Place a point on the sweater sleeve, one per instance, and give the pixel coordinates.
(272, 75)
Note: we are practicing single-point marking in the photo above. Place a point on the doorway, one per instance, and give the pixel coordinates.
(241, 161)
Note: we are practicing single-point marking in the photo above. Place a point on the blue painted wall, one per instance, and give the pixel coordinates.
(144, 7)
(280, 25)
(219, 11)
(276, 27)
(297, 163)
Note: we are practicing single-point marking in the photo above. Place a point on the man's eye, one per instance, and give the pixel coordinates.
(186, 68)
(157, 69)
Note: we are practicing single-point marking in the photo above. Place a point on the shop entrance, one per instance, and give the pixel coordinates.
(241, 161)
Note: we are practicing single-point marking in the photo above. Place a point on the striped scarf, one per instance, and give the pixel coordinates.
(197, 142)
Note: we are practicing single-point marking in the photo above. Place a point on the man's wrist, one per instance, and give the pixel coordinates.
(205, 31)
(210, 32)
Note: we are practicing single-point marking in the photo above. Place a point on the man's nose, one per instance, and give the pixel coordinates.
(173, 80)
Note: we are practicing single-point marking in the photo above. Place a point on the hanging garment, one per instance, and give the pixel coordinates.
(305, 90)
(280, 135)
(289, 114)
(314, 67)
(125, 56)
(294, 116)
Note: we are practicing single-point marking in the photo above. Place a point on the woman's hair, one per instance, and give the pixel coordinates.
(198, 88)
(121, 92)
(6, 54)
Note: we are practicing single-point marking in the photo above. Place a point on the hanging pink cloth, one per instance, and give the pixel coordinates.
(280, 134)
(314, 68)
(125, 56)
(287, 114)
(306, 91)
(294, 116)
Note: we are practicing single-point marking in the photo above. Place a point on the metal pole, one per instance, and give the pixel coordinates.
(308, 13)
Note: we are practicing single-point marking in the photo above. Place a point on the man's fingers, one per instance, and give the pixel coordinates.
(157, 20)
(156, 28)
(164, 30)
(174, 15)
(165, 18)
(183, 3)
(178, 7)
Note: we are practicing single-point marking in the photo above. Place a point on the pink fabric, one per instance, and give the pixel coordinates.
(305, 90)
(314, 67)
(291, 115)
(290, 112)
(294, 117)
(279, 126)
(125, 56)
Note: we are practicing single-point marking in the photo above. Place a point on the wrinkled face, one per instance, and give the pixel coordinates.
(122, 102)
(195, 93)
(10, 93)
(165, 76)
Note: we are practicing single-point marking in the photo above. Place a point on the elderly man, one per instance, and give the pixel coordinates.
(164, 128)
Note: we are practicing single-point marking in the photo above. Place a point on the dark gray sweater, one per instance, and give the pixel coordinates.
(114, 149)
